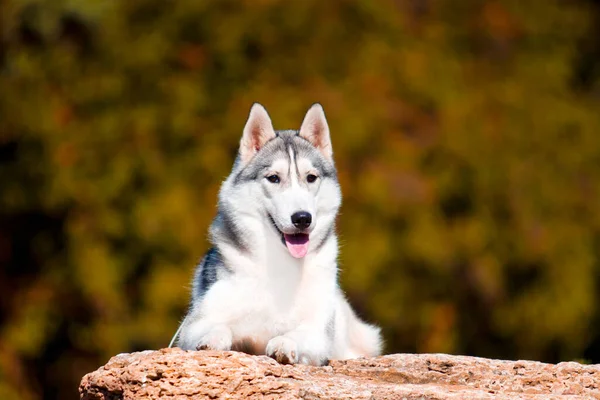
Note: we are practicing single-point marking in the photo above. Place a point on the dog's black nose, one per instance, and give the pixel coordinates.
(301, 219)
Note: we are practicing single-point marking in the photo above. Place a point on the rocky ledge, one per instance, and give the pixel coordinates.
(178, 374)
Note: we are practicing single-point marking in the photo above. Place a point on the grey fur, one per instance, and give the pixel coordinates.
(207, 272)
(330, 328)
(278, 148)
(326, 237)
(224, 228)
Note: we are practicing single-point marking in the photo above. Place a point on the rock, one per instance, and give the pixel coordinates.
(178, 374)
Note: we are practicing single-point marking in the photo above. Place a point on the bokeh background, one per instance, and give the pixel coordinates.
(466, 134)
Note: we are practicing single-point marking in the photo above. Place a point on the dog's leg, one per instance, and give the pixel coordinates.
(217, 338)
(201, 334)
(308, 342)
(302, 345)
(283, 349)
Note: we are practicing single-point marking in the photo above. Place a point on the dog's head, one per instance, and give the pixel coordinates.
(288, 179)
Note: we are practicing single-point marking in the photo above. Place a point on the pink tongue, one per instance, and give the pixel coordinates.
(297, 244)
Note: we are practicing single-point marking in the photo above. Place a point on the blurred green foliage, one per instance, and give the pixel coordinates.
(466, 135)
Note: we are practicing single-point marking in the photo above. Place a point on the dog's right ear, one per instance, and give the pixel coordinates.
(315, 129)
(258, 131)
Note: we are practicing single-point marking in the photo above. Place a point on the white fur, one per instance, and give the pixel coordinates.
(271, 302)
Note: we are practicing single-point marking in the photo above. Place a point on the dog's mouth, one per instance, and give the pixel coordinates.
(296, 243)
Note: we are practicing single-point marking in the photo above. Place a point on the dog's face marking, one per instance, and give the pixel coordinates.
(287, 170)
(286, 185)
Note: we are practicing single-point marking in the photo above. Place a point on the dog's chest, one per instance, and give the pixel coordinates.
(268, 301)
(283, 278)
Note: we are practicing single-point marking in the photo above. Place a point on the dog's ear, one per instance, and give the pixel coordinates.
(315, 129)
(258, 131)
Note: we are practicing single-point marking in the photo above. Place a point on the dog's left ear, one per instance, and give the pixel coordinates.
(315, 129)
(258, 131)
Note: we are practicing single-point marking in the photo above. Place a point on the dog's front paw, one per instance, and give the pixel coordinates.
(216, 339)
(283, 349)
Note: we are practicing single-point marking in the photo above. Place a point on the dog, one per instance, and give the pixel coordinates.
(269, 283)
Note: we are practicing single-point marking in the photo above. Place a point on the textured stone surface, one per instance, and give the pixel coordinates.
(177, 374)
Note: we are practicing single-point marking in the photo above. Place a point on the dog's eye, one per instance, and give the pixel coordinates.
(273, 178)
(311, 178)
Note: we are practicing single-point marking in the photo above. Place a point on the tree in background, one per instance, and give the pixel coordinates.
(465, 133)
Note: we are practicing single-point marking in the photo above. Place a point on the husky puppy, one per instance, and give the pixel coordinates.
(269, 283)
